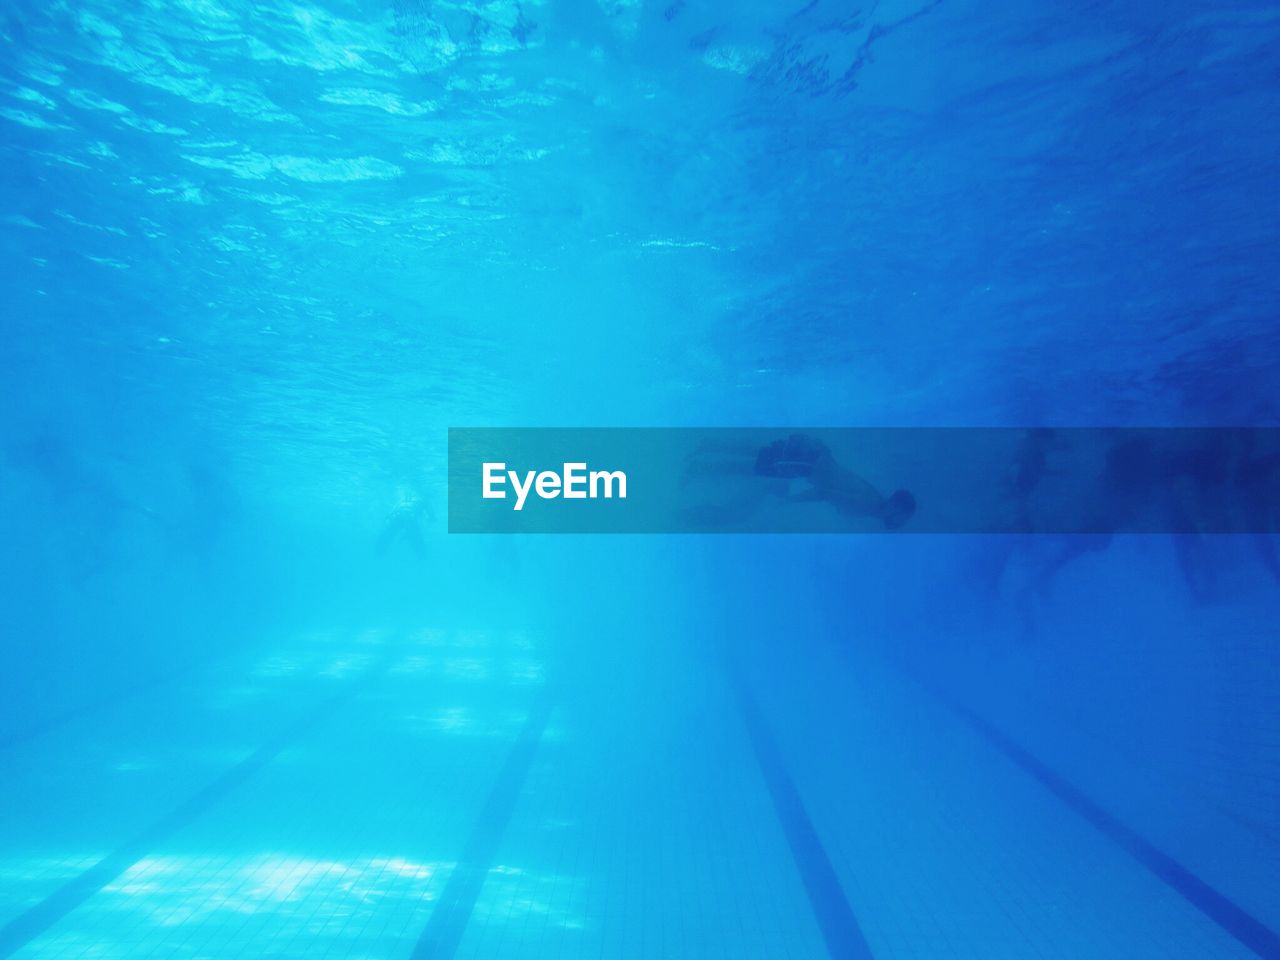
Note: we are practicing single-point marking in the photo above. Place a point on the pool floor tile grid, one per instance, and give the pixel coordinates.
(342, 844)
(632, 834)
(944, 847)
(1193, 758)
(80, 791)
(639, 877)
(634, 841)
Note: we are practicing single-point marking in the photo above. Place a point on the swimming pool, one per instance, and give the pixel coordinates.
(260, 257)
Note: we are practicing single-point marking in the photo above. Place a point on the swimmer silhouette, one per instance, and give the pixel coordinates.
(1257, 477)
(800, 456)
(403, 527)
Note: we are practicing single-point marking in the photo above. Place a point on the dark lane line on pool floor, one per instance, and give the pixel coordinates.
(27, 926)
(443, 932)
(1232, 918)
(836, 919)
(105, 703)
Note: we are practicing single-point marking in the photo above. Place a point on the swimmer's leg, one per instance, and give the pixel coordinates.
(1195, 565)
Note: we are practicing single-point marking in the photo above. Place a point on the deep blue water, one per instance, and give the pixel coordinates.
(258, 257)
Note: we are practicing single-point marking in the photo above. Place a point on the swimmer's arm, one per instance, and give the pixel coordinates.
(854, 495)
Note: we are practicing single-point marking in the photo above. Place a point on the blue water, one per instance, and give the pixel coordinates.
(258, 257)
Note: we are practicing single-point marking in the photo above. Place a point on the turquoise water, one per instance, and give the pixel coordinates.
(259, 257)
